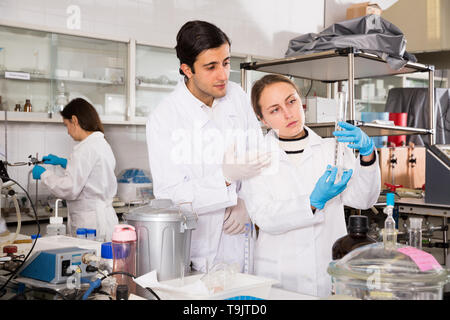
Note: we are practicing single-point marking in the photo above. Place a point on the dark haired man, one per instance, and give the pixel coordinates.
(187, 136)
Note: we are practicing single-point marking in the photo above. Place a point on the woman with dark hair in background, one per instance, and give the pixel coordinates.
(89, 183)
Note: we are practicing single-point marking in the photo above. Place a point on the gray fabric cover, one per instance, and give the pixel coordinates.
(371, 34)
(414, 101)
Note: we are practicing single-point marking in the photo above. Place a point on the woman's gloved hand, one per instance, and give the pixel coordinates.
(327, 190)
(235, 218)
(357, 138)
(37, 171)
(52, 159)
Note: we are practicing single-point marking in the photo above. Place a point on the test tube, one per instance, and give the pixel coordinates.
(339, 146)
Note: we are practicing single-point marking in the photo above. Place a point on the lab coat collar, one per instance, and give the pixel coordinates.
(193, 106)
(314, 140)
(93, 135)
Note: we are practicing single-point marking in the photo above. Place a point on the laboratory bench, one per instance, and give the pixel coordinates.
(45, 214)
(23, 248)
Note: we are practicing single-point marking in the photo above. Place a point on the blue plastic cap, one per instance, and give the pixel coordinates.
(91, 231)
(33, 236)
(106, 251)
(390, 199)
(81, 231)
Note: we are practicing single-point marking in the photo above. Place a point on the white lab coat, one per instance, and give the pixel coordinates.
(185, 148)
(294, 245)
(88, 186)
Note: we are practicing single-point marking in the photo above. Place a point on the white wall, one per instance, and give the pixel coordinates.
(258, 27)
(255, 27)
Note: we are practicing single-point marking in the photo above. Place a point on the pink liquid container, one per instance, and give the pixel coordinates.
(124, 255)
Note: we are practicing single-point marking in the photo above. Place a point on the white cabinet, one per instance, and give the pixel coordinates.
(51, 69)
(156, 76)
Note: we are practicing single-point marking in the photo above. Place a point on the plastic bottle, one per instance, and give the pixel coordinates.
(81, 233)
(107, 257)
(90, 234)
(415, 232)
(124, 255)
(56, 226)
(34, 237)
(389, 231)
(358, 226)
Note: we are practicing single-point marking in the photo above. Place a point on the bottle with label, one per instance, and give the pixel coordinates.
(27, 107)
(358, 226)
(17, 108)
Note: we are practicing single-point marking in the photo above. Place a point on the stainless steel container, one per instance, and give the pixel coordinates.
(163, 232)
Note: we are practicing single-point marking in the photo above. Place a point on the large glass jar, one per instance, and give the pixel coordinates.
(374, 272)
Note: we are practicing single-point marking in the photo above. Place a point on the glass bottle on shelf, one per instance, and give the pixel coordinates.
(61, 99)
(17, 108)
(27, 107)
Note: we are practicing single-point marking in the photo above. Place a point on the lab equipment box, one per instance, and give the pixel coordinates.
(321, 110)
(57, 265)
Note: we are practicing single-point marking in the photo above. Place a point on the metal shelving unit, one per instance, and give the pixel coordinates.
(347, 65)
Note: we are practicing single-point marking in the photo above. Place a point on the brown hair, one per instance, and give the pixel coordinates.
(261, 84)
(87, 115)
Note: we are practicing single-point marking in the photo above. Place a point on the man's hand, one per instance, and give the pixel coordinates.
(235, 218)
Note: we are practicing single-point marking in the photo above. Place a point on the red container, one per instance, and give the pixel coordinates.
(400, 119)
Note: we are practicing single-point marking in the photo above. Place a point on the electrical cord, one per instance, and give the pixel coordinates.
(309, 90)
(134, 277)
(118, 272)
(34, 242)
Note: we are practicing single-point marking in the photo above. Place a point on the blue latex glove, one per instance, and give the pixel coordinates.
(52, 159)
(37, 171)
(326, 190)
(357, 138)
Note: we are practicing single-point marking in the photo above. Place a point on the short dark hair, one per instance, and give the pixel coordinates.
(86, 114)
(261, 84)
(195, 37)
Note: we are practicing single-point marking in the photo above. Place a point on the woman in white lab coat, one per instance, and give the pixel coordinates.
(299, 213)
(88, 184)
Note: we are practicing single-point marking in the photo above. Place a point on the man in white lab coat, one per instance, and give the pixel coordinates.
(205, 120)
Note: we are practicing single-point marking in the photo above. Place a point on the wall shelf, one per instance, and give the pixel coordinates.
(347, 65)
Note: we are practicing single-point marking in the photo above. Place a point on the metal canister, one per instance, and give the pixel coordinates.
(163, 231)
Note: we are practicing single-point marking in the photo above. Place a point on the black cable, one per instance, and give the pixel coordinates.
(309, 90)
(38, 289)
(118, 272)
(34, 242)
(132, 276)
(153, 293)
